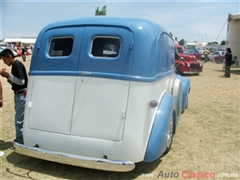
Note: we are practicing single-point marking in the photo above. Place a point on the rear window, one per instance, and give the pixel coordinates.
(105, 47)
(61, 46)
(166, 58)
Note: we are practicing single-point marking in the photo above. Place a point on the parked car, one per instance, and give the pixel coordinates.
(28, 52)
(186, 63)
(193, 53)
(199, 54)
(215, 56)
(1, 49)
(102, 94)
(14, 52)
(187, 52)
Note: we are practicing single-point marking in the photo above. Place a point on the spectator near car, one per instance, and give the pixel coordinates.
(206, 53)
(24, 50)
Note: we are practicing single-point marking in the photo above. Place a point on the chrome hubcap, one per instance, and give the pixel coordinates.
(170, 133)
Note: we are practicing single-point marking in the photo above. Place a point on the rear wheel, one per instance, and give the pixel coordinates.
(169, 136)
(186, 103)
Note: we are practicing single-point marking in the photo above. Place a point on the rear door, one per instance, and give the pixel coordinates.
(52, 80)
(102, 85)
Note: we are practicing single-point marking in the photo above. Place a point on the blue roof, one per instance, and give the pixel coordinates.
(145, 34)
(131, 23)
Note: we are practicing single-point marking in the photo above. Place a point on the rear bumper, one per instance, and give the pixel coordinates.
(75, 160)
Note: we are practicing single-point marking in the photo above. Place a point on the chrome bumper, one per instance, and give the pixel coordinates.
(191, 72)
(75, 160)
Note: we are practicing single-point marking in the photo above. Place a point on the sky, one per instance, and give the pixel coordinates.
(191, 20)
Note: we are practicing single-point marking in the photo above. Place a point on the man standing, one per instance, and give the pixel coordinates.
(18, 80)
(24, 53)
(228, 61)
(206, 52)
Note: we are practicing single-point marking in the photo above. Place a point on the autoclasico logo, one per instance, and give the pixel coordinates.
(186, 174)
(203, 174)
(190, 174)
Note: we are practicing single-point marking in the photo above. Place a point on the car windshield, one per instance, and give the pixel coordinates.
(180, 50)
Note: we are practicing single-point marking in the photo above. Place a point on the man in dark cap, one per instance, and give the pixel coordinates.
(228, 61)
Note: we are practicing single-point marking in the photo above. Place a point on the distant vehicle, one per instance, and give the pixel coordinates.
(1, 49)
(186, 63)
(198, 55)
(102, 94)
(14, 52)
(193, 53)
(215, 57)
(28, 52)
(187, 52)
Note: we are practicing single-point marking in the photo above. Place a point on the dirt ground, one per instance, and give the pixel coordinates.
(206, 144)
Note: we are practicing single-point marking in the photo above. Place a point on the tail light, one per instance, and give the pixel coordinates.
(153, 104)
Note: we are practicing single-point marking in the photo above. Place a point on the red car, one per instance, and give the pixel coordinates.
(215, 57)
(186, 63)
(19, 51)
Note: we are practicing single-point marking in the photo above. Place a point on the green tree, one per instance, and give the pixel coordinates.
(101, 12)
(212, 43)
(223, 42)
(171, 34)
(181, 42)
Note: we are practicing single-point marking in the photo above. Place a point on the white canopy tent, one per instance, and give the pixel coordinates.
(22, 40)
(233, 35)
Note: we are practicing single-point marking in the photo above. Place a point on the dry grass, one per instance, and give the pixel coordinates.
(207, 137)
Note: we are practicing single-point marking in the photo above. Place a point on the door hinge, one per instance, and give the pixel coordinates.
(131, 47)
(38, 45)
(29, 104)
(124, 115)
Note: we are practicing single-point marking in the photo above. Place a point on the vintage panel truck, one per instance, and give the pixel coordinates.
(186, 63)
(102, 94)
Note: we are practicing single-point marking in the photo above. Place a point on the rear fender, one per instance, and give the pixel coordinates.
(177, 94)
(186, 86)
(158, 137)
